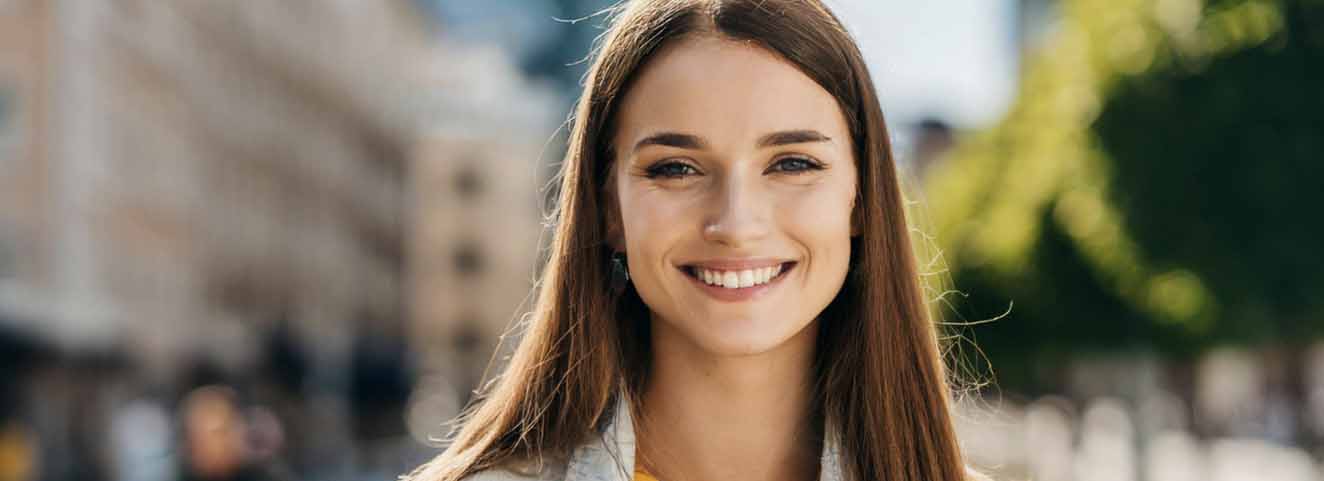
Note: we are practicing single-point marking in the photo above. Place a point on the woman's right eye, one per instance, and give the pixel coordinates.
(670, 170)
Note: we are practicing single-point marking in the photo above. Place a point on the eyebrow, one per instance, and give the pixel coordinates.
(673, 139)
(694, 142)
(792, 137)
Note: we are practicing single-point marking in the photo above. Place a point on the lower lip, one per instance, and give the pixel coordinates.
(740, 294)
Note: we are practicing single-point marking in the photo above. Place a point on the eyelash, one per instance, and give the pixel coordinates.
(659, 169)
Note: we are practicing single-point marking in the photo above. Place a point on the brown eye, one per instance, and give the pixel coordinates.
(795, 165)
(670, 170)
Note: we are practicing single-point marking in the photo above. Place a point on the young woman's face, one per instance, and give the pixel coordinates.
(735, 179)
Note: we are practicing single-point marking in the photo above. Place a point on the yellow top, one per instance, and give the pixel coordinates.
(641, 475)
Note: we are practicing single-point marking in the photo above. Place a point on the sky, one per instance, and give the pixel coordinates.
(953, 60)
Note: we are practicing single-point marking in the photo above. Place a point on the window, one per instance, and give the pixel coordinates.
(468, 183)
(9, 127)
(9, 138)
(469, 260)
(8, 256)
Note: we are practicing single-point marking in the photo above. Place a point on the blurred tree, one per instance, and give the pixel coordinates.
(1219, 166)
(1152, 188)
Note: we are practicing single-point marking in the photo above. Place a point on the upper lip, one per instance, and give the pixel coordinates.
(736, 264)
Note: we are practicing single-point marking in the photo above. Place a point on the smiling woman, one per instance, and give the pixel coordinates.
(731, 292)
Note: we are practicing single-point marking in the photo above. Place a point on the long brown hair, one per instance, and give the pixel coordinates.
(881, 378)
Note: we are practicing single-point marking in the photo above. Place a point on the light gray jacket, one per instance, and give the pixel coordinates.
(611, 457)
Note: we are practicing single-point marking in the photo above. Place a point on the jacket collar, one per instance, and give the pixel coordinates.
(610, 457)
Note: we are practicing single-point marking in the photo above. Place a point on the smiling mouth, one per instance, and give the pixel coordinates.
(738, 279)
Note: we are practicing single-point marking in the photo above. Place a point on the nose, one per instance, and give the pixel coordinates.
(739, 213)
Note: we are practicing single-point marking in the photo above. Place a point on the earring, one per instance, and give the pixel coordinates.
(620, 272)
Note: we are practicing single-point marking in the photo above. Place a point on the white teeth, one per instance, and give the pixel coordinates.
(730, 280)
(738, 279)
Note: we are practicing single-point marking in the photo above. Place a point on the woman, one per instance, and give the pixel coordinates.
(730, 292)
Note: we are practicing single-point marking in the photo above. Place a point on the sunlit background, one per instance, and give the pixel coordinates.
(281, 240)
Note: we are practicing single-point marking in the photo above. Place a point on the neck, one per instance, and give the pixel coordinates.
(709, 417)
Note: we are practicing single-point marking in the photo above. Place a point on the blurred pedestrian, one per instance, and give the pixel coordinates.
(218, 438)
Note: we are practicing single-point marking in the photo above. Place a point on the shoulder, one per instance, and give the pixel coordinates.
(500, 475)
(548, 471)
(973, 475)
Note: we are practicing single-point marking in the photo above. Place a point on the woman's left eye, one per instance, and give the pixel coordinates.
(795, 165)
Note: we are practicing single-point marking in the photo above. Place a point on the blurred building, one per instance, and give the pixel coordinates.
(24, 75)
(182, 182)
(477, 175)
(179, 175)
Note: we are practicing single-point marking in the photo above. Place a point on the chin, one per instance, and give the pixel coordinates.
(742, 338)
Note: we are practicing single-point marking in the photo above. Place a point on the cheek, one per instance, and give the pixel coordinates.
(650, 219)
(655, 224)
(818, 218)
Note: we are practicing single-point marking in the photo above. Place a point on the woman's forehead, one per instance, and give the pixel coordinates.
(728, 91)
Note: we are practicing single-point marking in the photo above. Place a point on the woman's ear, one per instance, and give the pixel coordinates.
(615, 232)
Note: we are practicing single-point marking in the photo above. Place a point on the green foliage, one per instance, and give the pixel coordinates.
(1219, 167)
(1153, 187)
